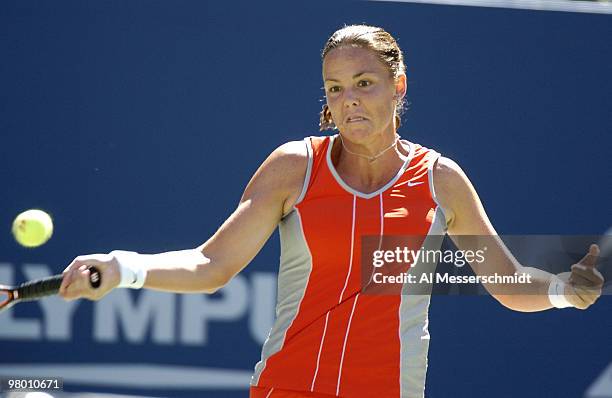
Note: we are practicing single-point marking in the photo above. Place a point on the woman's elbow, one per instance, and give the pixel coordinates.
(518, 302)
(213, 276)
(506, 300)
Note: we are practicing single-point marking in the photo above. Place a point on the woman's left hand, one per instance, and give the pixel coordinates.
(584, 283)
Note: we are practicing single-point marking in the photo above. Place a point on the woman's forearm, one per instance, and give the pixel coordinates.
(530, 297)
(183, 271)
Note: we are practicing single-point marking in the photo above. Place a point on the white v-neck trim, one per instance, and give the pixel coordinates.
(355, 192)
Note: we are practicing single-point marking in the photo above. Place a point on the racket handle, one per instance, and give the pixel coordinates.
(33, 290)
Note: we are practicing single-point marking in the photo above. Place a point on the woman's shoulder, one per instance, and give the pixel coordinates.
(451, 183)
(300, 151)
(447, 171)
(290, 162)
(297, 160)
(294, 153)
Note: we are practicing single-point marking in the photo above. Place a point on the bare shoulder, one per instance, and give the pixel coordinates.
(288, 162)
(456, 193)
(282, 173)
(452, 186)
(291, 153)
(448, 174)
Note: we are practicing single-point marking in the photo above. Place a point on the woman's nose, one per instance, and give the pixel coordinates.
(350, 98)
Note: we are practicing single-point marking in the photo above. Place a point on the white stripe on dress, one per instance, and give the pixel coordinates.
(348, 274)
(319, 355)
(344, 345)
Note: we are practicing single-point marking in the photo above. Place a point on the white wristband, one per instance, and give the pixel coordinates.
(556, 293)
(132, 268)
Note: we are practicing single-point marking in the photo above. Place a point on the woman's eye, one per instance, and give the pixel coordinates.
(334, 89)
(364, 83)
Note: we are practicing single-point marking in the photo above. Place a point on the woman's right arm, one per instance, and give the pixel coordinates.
(272, 192)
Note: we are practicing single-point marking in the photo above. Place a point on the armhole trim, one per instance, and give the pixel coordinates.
(308, 172)
(430, 176)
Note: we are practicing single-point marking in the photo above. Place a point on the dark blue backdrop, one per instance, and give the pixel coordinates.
(137, 124)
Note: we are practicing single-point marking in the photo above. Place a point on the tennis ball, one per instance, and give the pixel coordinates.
(32, 228)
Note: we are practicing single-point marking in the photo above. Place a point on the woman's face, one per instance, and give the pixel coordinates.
(360, 92)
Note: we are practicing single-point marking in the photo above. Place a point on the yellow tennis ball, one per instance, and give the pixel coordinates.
(32, 228)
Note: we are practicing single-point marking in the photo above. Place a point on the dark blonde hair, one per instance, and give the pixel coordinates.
(373, 38)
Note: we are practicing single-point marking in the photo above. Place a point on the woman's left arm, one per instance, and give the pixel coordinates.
(466, 218)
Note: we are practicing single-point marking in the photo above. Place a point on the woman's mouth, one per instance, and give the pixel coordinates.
(355, 119)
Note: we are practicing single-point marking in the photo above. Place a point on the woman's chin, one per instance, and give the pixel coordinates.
(357, 133)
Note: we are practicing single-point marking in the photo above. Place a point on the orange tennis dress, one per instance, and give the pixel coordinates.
(329, 338)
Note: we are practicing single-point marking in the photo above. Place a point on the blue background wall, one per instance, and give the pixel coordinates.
(137, 124)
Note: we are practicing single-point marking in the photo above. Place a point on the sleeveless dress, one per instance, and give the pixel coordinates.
(329, 338)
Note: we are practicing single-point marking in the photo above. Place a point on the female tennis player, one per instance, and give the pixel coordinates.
(325, 194)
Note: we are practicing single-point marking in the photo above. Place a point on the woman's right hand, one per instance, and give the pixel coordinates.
(76, 283)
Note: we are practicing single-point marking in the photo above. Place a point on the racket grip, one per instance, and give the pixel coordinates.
(36, 289)
(49, 286)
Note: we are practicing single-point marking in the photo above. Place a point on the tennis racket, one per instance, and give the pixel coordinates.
(37, 289)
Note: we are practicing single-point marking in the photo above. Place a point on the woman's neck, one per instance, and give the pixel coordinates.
(367, 169)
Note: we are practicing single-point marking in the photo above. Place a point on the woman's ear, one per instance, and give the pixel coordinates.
(401, 86)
